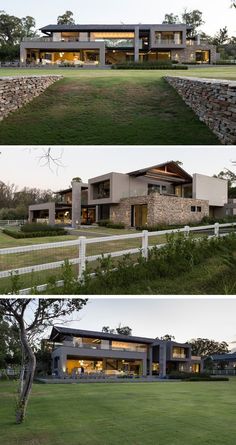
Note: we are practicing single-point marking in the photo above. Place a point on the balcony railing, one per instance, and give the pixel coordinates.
(103, 348)
(37, 39)
(168, 42)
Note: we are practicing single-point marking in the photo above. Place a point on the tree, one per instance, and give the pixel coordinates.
(221, 37)
(230, 176)
(167, 337)
(13, 29)
(10, 351)
(193, 19)
(32, 316)
(171, 19)
(66, 19)
(204, 347)
(122, 330)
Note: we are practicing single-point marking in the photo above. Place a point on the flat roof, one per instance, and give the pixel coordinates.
(108, 27)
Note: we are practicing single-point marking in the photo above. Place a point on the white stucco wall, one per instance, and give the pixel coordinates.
(212, 189)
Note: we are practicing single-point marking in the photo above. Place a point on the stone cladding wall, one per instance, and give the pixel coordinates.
(214, 102)
(17, 91)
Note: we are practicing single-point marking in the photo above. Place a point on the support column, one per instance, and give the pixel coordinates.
(136, 44)
(150, 361)
(31, 216)
(51, 214)
(23, 55)
(102, 55)
(162, 360)
(144, 367)
(76, 204)
(97, 213)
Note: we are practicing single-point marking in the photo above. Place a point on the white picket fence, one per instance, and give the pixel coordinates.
(12, 222)
(82, 243)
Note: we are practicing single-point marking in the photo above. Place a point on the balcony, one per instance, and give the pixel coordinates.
(102, 347)
(167, 42)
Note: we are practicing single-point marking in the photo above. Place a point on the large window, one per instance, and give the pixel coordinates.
(114, 39)
(101, 189)
(179, 352)
(169, 37)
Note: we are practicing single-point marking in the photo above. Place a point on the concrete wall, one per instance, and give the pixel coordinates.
(213, 190)
(17, 91)
(61, 46)
(48, 206)
(162, 209)
(214, 102)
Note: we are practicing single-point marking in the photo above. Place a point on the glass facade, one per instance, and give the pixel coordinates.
(93, 343)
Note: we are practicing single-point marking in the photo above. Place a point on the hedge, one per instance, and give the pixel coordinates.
(37, 227)
(148, 66)
(20, 235)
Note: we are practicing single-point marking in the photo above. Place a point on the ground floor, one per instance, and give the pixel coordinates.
(60, 214)
(94, 56)
(156, 209)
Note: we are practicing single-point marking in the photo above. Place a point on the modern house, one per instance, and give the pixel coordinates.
(112, 354)
(111, 44)
(160, 194)
(221, 364)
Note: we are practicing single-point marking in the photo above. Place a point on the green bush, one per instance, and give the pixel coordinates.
(119, 225)
(21, 235)
(39, 227)
(104, 222)
(157, 65)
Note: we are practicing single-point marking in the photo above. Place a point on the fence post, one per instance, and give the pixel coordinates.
(217, 229)
(82, 256)
(145, 244)
(186, 231)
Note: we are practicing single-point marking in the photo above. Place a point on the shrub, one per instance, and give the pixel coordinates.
(104, 222)
(157, 65)
(119, 225)
(38, 227)
(20, 235)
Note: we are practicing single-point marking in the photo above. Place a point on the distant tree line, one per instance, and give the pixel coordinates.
(14, 203)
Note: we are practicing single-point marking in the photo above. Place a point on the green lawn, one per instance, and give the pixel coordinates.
(108, 107)
(161, 413)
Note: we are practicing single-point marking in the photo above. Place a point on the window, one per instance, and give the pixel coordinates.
(199, 209)
(179, 353)
(101, 190)
(193, 209)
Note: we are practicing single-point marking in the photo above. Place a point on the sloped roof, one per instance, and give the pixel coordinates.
(59, 331)
(168, 170)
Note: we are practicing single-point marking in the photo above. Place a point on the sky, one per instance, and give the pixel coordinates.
(185, 318)
(216, 14)
(22, 166)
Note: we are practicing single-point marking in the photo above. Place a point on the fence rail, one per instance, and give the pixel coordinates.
(81, 258)
(11, 222)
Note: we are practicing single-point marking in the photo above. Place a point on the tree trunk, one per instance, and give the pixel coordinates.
(27, 375)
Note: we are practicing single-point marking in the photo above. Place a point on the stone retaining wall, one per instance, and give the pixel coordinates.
(161, 209)
(18, 90)
(214, 102)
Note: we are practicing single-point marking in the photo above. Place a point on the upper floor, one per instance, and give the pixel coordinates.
(168, 179)
(146, 37)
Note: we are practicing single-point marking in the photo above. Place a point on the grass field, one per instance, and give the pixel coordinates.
(108, 107)
(161, 413)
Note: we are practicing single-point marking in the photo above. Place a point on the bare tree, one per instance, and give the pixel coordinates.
(32, 316)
